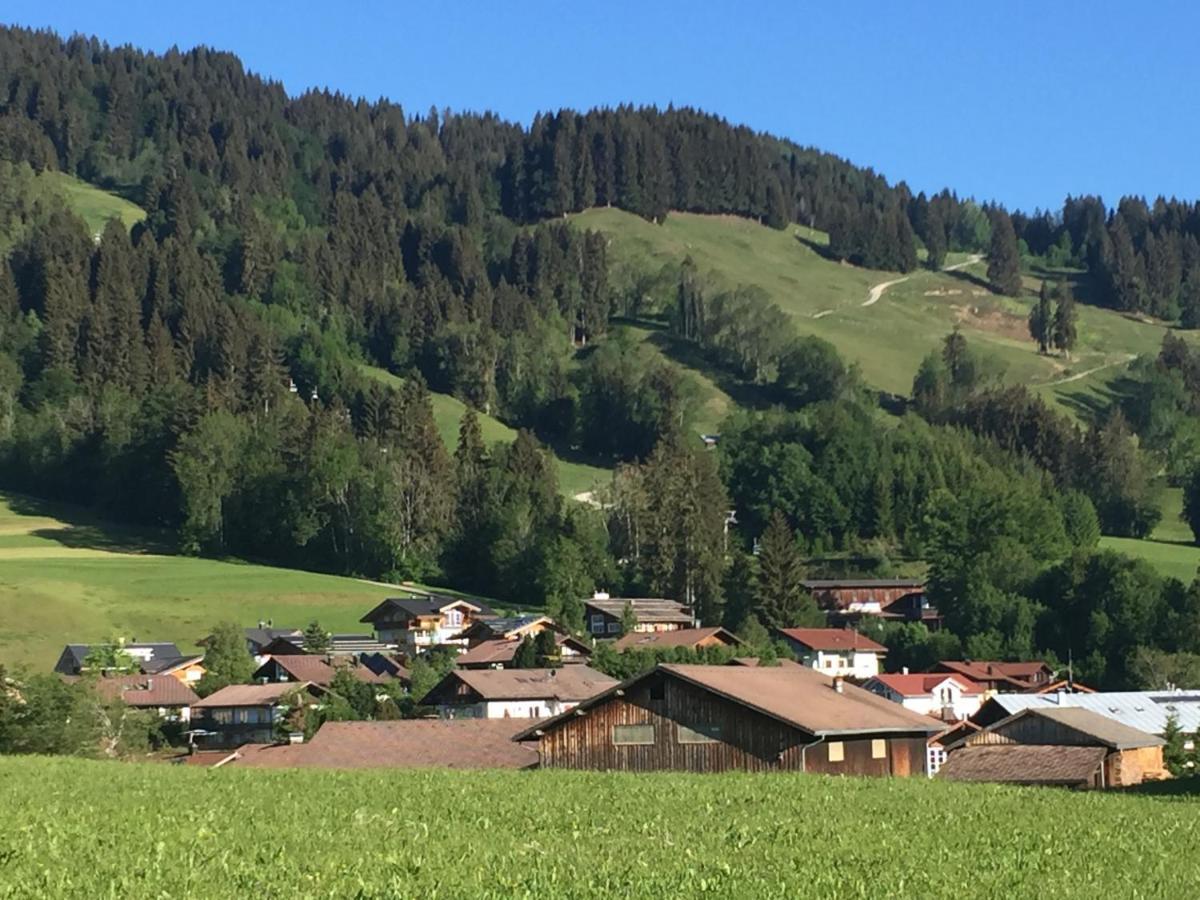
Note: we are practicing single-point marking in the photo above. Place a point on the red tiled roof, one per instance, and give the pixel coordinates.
(992, 670)
(832, 639)
(683, 637)
(412, 743)
(921, 684)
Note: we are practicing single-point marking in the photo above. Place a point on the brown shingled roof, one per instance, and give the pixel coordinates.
(147, 691)
(567, 683)
(794, 695)
(646, 610)
(683, 637)
(412, 743)
(832, 639)
(250, 694)
(1024, 764)
(500, 651)
(301, 667)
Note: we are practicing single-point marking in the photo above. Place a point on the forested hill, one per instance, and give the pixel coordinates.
(219, 368)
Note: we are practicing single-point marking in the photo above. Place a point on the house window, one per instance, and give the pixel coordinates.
(222, 716)
(705, 733)
(878, 749)
(837, 752)
(828, 662)
(632, 735)
(598, 624)
(614, 627)
(454, 618)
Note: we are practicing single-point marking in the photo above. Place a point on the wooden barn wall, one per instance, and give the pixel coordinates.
(749, 741)
(1035, 730)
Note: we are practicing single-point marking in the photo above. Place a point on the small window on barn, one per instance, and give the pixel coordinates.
(837, 752)
(614, 627)
(698, 734)
(626, 735)
(598, 623)
(658, 690)
(878, 749)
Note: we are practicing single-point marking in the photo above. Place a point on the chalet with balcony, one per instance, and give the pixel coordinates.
(603, 615)
(249, 713)
(418, 624)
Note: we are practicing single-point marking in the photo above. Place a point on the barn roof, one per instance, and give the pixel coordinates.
(1103, 730)
(647, 610)
(1024, 764)
(1144, 710)
(794, 695)
(412, 743)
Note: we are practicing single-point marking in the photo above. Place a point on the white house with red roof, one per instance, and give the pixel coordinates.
(941, 695)
(835, 651)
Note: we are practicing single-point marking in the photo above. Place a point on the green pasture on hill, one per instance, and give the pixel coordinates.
(76, 828)
(65, 577)
(92, 204)
(888, 338)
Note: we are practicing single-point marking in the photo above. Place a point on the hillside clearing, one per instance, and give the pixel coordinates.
(188, 832)
(66, 577)
(887, 339)
(92, 204)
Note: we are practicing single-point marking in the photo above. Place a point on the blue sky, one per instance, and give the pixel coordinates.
(1021, 102)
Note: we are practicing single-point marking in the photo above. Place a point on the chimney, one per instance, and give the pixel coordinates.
(838, 683)
(904, 670)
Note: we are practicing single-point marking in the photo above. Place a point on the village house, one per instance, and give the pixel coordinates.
(163, 695)
(186, 669)
(992, 675)
(603, 615)
(416, 624)
(720, 718)
(499, 653)
(315, 670)
(846, 601)
(836, 651)
(514, 693)
(71, 660)
(403, 744)
(506, 628)
(267, 635)
(689, 638)
(248, 713)
(1070, 747)
(942, 696)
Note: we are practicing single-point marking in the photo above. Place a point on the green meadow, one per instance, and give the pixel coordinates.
(77, 828)
(92, 204)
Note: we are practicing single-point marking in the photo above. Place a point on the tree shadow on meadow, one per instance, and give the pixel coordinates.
(82, 530)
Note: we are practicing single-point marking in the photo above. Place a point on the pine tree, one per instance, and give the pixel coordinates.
(782, 601)
(316, 638)
(628, 619)
(1004, 260)
(1041, 320)
(226, 659)
(1174, 754)
(1064, 331)
(526, 656)
(548, 655)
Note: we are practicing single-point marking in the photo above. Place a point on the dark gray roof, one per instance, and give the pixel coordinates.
(262, 636)
(395, 607)
(73, 655)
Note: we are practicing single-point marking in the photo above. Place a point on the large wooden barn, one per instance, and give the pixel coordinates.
(721, 718)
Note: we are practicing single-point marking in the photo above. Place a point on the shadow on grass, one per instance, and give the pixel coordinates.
(690, 357)
(81, 530)
(1168, 789)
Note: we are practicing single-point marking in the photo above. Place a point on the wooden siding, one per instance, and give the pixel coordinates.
(1033, 729)
(749, 741)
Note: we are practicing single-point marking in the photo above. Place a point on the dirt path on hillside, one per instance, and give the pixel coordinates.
(1124, 361)
(969, 261)
(877, 290)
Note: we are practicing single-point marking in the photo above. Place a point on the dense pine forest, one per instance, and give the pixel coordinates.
(204, 372)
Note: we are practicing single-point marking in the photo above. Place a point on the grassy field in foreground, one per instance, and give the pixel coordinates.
(888, 338)
(183, 832)
(65, 577)
(573, 477)
(92, 204)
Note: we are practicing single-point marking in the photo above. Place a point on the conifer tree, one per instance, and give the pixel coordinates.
(1064, 331)
(1041, 320)
(316, 638)
(1004, 260)
(526, 656)
(782, 601)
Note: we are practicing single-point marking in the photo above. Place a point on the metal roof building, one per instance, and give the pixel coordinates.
(1144, 710)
